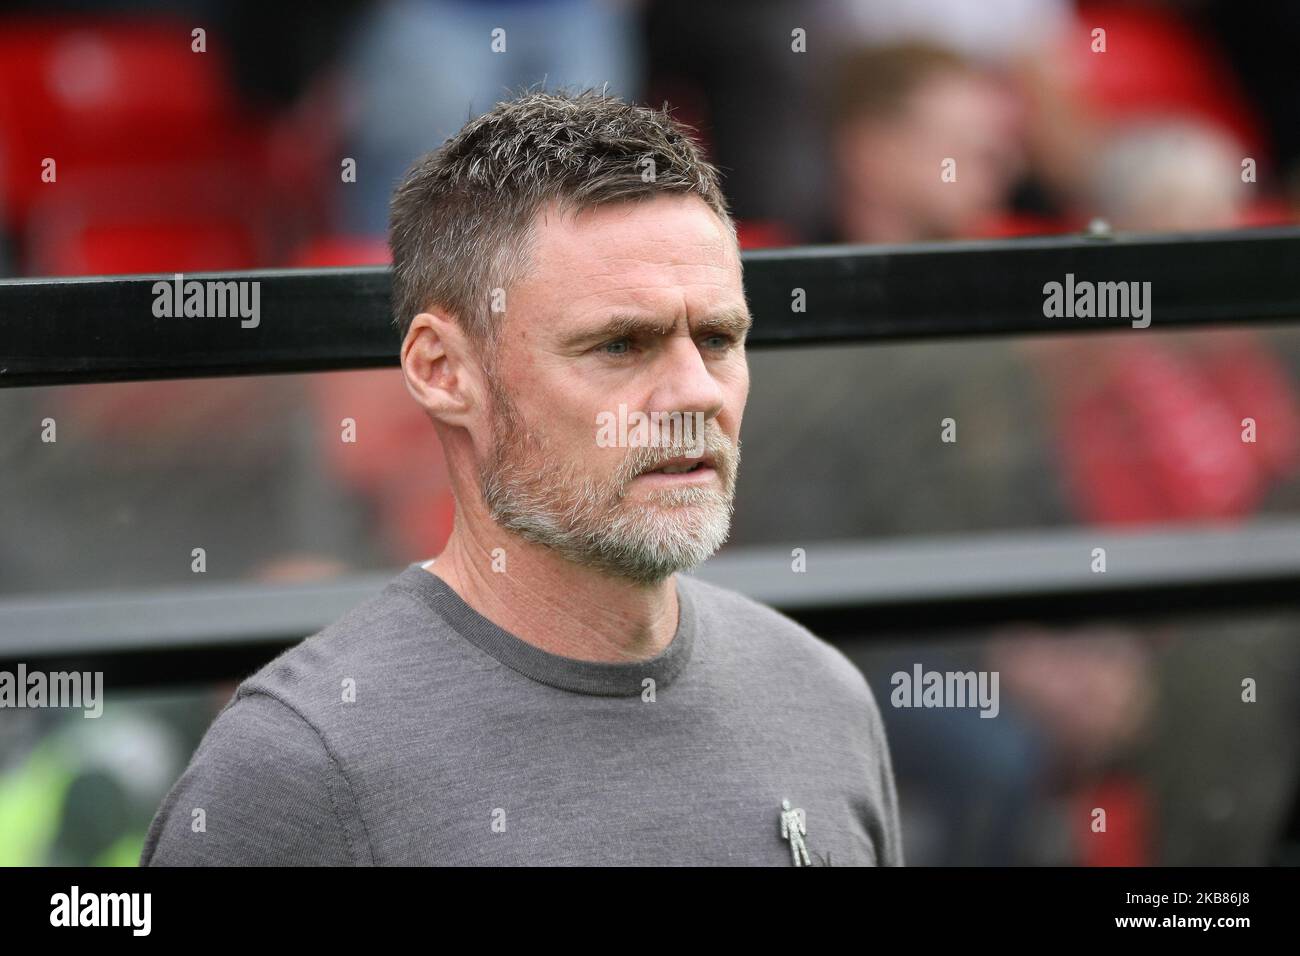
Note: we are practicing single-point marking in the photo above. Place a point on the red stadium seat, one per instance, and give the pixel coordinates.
(105, 250)
(327, 251)
(93, 94)
(763, 234)
(1011, 225)
(1155, 63)
(141, 221)
(396, 462)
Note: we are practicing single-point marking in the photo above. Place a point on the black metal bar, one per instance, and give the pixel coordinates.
(850, 590)
(69, 331)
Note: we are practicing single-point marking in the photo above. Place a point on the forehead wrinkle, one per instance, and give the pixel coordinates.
(652, 277)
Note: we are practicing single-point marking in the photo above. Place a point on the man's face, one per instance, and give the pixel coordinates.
(669, 268)
(897, 161)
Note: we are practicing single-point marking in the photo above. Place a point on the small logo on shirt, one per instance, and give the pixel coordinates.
(794, 827)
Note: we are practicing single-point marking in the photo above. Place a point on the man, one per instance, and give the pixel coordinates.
(548, 690)
(924, 145)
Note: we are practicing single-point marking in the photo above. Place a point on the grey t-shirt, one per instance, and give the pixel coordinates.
(413, 730)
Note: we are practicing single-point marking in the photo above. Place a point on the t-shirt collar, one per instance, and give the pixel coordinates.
(600, 678)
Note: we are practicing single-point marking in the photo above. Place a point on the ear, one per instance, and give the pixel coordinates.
(440, 370)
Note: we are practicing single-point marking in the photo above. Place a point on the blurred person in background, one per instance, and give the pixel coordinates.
(898, 115)
(418, 70)
(1169, 175)
(870, 420)
(78, 792)
(1017, 44)
(1158, 174)
(1152, 432)
(1089, 692)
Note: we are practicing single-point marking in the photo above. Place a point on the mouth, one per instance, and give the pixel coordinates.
(681, 470)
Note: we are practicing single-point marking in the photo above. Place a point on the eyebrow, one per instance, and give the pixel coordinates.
(736, 322)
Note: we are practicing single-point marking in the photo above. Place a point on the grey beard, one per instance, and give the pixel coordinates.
(552, 507)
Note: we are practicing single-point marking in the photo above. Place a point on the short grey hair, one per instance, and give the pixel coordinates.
(461, 221)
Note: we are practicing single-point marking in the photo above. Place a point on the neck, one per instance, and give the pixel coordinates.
(550, 602)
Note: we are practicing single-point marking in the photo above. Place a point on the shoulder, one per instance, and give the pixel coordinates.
(379, 643)
(270, 779)
(261, 789)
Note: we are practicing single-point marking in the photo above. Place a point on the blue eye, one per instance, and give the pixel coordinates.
(605, 348)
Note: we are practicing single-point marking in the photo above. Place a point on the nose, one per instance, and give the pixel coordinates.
(685, 382)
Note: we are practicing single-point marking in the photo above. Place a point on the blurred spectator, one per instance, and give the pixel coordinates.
(1016, 42)
(1169, 176)
(418, 70)
(1153, 431)
(924, 145)
(992, 30)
